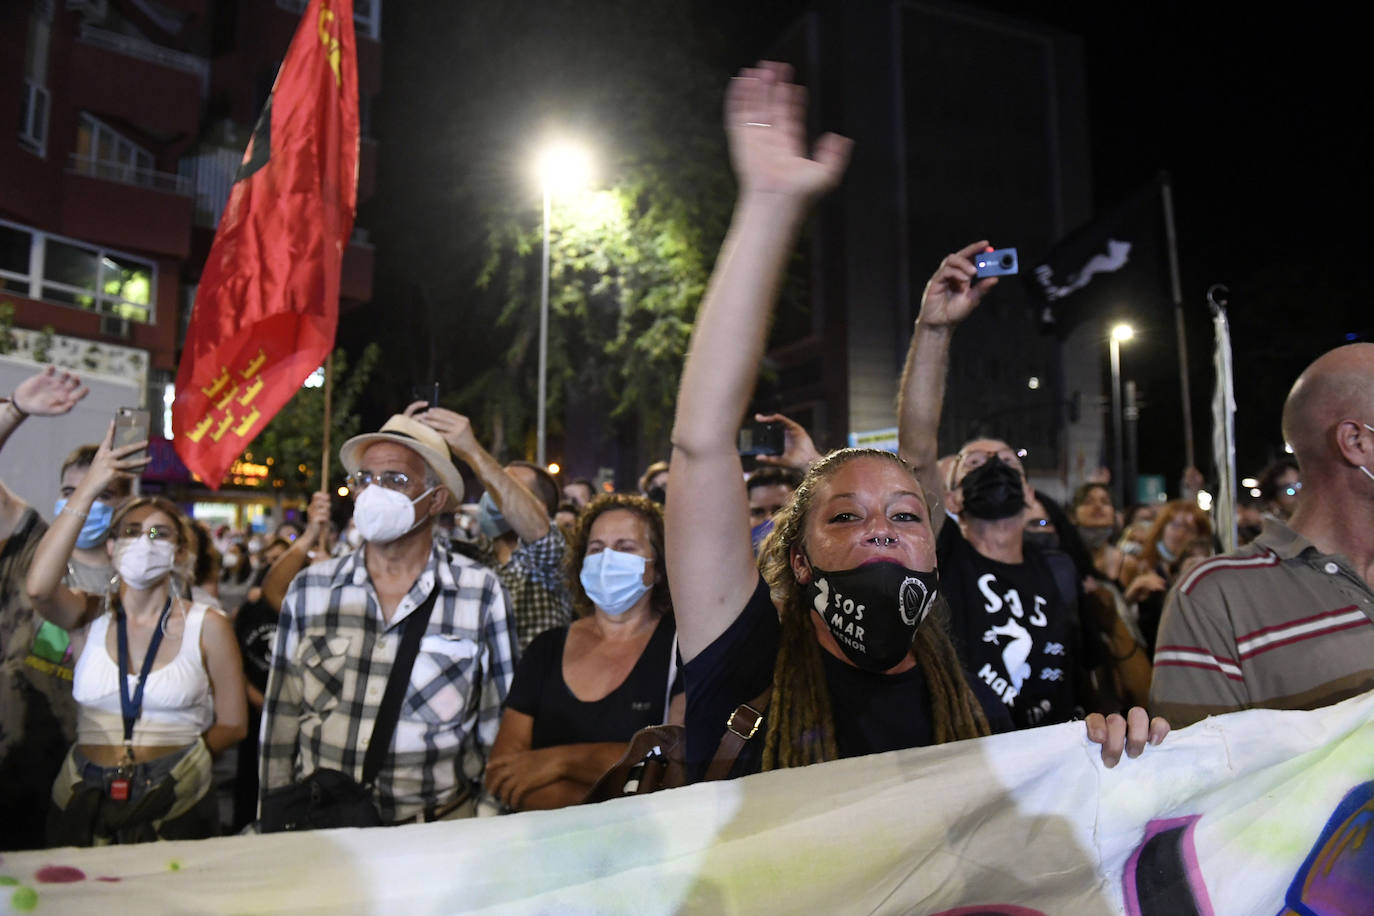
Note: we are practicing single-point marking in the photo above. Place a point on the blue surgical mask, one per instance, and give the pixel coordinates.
(614, 581)
(489, 517)
(96, 525)
(759, 532)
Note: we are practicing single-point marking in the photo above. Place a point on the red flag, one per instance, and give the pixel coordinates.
(268, 302)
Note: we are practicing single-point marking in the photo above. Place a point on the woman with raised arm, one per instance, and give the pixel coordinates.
(836, 646)
(158, 681)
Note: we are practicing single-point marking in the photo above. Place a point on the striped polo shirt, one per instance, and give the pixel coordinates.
(1277, 624)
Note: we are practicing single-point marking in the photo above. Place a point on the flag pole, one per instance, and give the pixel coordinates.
(328, 399)
(1177, 290)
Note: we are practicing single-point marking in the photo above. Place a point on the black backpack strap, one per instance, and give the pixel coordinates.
(396, 683)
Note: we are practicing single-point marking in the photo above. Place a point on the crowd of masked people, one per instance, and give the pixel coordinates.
(449, 654)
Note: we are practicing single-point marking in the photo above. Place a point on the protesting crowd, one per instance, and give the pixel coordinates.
(446, 654)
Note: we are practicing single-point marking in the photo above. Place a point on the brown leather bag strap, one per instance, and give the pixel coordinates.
(742, 725)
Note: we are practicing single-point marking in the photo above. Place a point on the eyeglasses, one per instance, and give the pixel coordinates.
(391, 480)
(153, 533)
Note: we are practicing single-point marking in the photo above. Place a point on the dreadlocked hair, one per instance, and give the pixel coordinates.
(801, 723)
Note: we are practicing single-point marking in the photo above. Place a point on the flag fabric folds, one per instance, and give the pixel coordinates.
(268, 302)
(1118, 259)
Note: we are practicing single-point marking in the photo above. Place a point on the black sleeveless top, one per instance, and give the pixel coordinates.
(540, 692)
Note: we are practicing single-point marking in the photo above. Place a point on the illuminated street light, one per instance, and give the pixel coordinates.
(554, 468)
(562, 167)
(1121, 332)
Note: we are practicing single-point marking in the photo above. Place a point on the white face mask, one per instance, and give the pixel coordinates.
(143, 563)
(383, 515)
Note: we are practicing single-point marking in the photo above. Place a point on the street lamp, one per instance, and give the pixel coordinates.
(1121, 332)
(562, 167)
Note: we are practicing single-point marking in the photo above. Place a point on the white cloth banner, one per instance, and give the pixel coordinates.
(1222, 818)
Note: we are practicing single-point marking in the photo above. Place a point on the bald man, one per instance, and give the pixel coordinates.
(1287, 622)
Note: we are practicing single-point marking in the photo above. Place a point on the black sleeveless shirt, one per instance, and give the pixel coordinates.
(540, 692)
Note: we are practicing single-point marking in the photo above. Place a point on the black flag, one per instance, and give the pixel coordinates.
(1119, 260)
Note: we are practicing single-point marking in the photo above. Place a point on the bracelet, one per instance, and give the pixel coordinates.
(77, 512)
(17, 409)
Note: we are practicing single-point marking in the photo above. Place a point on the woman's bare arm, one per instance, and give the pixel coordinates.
(710, 561)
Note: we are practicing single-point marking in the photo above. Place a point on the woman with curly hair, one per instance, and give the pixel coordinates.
(843, 626)
(1148, 576)
(582, 691)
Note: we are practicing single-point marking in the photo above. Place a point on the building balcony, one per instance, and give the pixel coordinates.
(125, 78)
(131, 175)
(136, 209)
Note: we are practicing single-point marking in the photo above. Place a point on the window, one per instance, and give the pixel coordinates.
(103, 152)
(33, 104)
(33, 118)
(47, 267)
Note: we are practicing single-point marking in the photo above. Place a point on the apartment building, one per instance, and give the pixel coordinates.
(130, 119)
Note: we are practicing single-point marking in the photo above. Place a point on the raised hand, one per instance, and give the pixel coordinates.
(454, 427)
(316, 520)
(765, 120)
(952, 294)
(109, 464)
(50, 393)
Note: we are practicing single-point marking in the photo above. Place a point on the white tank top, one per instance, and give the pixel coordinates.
(177, 704)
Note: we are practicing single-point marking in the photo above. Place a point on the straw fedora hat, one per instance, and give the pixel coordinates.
(420, 439)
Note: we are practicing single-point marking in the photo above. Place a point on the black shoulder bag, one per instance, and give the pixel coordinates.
(328, 798)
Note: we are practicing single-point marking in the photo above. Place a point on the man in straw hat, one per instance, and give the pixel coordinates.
(340, 628)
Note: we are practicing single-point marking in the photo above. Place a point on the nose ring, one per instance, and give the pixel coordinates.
(883, 542)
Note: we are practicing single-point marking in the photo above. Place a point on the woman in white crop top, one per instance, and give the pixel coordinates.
(152, 780)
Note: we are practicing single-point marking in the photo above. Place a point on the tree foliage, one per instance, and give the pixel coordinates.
(291, 444)
(630, 258)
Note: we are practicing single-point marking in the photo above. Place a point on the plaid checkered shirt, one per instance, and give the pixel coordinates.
(533, 577)
(330, 664)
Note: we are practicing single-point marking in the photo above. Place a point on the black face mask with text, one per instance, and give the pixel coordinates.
(873, 611)
(993, 490)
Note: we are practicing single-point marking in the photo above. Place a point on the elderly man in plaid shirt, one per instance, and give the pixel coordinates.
(340, 628)
(519, 539)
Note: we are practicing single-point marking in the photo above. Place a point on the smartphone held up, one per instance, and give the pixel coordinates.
(1000, 262)
(131, 425)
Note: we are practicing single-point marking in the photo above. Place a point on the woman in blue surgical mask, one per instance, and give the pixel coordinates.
(582, 691)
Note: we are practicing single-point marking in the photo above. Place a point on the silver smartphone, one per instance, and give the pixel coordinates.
(131, 425)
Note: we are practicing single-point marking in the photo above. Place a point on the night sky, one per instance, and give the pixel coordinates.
(1262, 124)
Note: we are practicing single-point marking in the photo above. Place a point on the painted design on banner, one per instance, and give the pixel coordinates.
(1338, 875)
(1162, 876)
